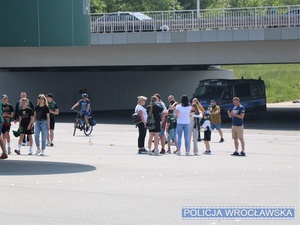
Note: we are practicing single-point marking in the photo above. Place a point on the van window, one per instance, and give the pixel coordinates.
(242, 90)
(228, 93)
(257, 88)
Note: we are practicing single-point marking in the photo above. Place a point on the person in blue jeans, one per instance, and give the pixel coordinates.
(183, 123)
(85, 108)
(42, 123)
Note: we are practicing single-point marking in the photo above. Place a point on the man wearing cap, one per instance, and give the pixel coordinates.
(7, 116)
(2, 144)
(54, 111)
(215, 117)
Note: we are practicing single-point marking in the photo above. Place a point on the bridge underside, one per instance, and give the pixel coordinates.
(143, 56)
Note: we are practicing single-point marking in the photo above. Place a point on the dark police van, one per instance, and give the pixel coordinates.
(251, 92)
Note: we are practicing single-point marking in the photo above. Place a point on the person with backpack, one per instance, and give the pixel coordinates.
(142, 113)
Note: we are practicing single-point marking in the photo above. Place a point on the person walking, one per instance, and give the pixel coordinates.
(16, 115)
(183, 123)
(215, 118)
(26, 121)
(237, 115)
(42, 123)
(54, 111)
(141, 111)
(7, 115)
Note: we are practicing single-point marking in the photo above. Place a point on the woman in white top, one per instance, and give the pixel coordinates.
(195, 117)
(141, 111)
(183, 123)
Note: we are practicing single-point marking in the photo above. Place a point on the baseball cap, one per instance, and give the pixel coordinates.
(50, 95)
(4, 96)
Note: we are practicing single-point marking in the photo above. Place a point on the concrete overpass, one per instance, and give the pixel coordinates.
(117, 67)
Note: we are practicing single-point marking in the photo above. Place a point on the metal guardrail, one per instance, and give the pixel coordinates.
(187, 20)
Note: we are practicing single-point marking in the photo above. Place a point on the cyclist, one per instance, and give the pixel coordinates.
(85, 108)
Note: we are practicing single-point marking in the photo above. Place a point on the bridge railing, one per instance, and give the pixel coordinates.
(189, 20)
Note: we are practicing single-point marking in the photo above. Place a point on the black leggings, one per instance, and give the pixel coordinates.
(142, 135)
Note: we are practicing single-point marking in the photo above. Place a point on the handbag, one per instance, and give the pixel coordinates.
(150, 124)
(136, 118)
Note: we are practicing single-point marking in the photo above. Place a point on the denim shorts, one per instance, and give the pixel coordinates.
(172, 135)
(216, 126)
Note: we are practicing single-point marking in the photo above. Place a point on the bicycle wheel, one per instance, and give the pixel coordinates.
(76, 125)
(89, 131)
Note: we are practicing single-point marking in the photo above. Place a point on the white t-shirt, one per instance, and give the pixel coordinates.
(206, 124)
(183, 114)
(140, 107)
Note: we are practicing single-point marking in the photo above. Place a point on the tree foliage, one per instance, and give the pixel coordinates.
(101, 6)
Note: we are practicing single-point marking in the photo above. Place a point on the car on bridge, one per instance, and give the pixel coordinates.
(126, 22)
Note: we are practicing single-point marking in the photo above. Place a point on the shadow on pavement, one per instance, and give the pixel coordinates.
(24, 168)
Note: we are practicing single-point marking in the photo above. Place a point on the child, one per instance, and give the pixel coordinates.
(207, 133)
(171, 123)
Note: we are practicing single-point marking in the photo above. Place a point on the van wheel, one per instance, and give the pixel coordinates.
(256, 114)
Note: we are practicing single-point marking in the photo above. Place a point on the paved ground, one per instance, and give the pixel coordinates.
(101, 180)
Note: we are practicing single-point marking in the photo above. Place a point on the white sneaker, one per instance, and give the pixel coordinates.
(24, 143)
(28, 143)
(156, 152)
(48, 143)
(38, 152)
(42, 153)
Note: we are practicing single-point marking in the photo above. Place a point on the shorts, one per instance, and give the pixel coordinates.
(88, 114)
(172, 135)
(52, 123)
(207, 135)
(156, 129)
(25, 131)
(216, 126)
(237, 132)
(5, 128)
(162, 131)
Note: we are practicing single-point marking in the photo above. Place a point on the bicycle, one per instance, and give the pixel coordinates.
(80, 124)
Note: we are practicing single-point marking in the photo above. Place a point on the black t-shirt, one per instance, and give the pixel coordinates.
(41, 112)
(26, 115)
(7, 109)
(156, 111)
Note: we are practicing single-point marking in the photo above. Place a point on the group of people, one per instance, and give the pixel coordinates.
(186, 120)
(38, 120)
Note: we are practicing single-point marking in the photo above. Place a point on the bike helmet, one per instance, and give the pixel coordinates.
(85, 95)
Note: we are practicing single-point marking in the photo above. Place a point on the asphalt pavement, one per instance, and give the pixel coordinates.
(100, 179)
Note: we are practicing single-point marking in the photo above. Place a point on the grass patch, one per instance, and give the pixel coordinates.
(282, 80)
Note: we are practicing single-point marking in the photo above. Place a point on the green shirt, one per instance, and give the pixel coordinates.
(52, 106)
